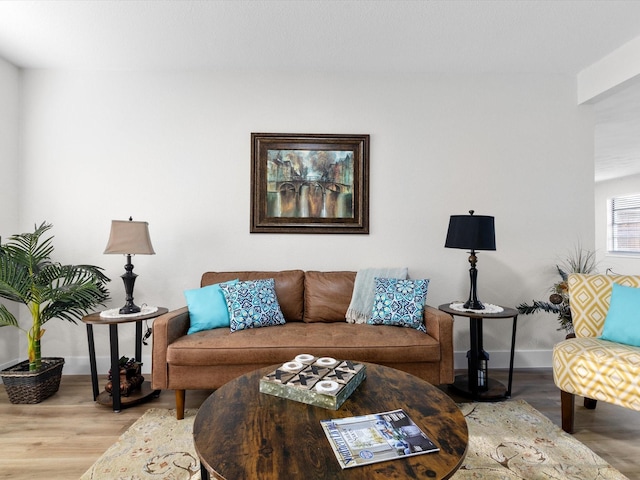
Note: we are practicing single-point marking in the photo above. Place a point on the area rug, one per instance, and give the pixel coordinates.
(507, 440)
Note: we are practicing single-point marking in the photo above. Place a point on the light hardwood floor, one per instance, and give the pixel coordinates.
(60, 438)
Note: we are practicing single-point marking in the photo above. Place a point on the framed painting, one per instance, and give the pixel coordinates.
(309, 183)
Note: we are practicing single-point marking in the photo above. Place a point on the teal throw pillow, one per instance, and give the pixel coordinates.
(207, 308)
(622, 323)
(399, 302)
(252, 304)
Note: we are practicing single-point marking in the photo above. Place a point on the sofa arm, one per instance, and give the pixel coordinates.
(167, 329)
(440, 326)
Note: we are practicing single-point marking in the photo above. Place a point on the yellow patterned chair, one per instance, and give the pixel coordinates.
(587, 365)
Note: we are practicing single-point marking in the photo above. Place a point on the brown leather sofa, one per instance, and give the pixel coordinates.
(314, 306)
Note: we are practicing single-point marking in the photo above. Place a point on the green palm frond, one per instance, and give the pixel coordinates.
(6, 318)
(15, 283)
(28, 250)
(50, 290)
(70, 291)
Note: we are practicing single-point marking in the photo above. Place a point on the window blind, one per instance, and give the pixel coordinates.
(624, 224)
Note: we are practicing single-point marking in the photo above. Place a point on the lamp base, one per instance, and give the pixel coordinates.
(129, 308)
(474, 305)
(129, 279)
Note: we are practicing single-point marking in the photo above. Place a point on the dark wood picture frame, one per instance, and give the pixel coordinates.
(309, 183)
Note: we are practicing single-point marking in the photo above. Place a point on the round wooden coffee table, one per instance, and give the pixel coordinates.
(240, 433)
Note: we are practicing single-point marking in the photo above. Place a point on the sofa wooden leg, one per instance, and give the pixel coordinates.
(567, 401)
(180, 395)
(590, 403)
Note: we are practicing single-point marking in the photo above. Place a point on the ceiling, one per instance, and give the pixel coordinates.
(431, 36)
(435, 36)
(617, 135)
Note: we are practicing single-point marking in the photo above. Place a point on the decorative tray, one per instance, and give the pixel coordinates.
(324, 382)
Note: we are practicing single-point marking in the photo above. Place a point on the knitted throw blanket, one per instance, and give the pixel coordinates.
(359, 310)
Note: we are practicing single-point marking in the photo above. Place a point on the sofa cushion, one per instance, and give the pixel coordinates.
(207, 308)
(252, 304)
(399, 303)
(289, 285)
(622, 323)
(327, 295)
(369, 343)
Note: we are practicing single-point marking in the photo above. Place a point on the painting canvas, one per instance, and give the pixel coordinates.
(309, 183)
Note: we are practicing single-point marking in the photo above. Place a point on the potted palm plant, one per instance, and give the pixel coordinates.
(49, 290)
(580, 261)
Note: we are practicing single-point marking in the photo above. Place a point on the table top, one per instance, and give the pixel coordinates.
(242, 433)
(506, 312)
(96, 319)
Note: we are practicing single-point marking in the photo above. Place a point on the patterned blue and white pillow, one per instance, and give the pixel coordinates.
(399, 302)
(252, 304)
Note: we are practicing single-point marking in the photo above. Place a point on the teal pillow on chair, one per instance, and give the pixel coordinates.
(622, 324)
(207, 308)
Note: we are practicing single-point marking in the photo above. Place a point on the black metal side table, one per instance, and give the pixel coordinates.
(468, 385)
(114, 398)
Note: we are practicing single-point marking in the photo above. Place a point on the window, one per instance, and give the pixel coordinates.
(623, 231)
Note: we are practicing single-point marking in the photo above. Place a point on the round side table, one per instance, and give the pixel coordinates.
(114, 398)
(467, 385)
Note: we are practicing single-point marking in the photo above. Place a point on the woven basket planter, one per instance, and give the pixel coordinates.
(23, 386)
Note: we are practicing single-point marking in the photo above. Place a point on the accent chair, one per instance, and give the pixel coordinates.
(590, 365)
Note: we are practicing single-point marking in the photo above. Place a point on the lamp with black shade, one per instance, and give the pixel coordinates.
(129, 238)
(472, 232)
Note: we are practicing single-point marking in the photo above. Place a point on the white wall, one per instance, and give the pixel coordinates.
(173, 149)
(9, 145)
(621, 264)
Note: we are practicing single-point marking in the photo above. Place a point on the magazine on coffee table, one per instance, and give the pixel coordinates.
(375, 438)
